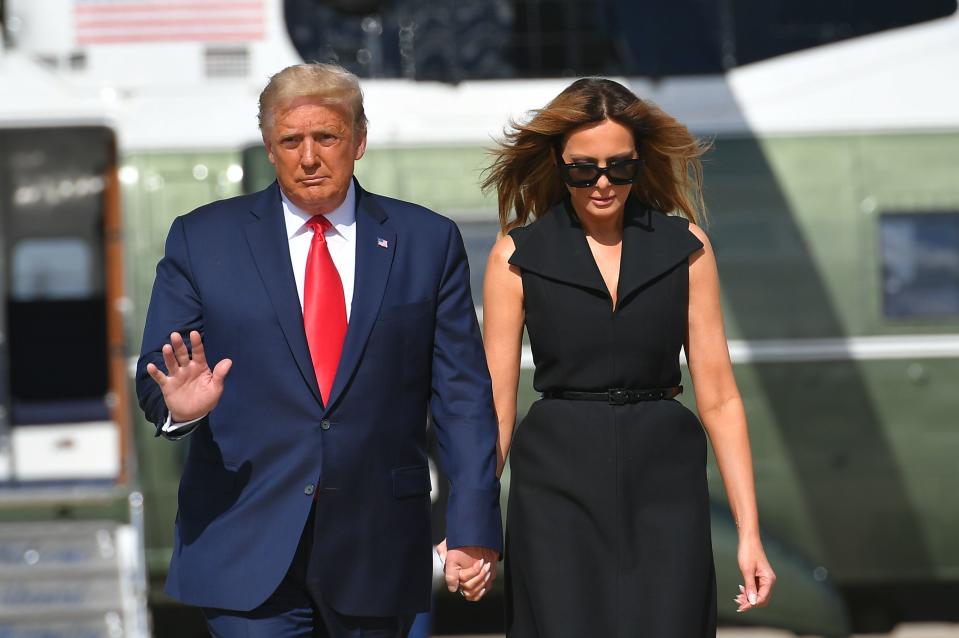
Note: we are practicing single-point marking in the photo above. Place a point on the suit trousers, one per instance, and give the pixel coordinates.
(297, 610)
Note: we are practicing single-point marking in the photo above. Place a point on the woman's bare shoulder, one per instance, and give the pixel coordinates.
(502, 250)
(699, 233)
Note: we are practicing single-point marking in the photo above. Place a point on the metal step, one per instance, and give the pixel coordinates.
(78, 579)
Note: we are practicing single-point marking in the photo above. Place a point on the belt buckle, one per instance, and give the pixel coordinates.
(617, 396)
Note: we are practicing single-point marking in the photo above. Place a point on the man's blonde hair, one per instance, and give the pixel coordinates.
(328, 82)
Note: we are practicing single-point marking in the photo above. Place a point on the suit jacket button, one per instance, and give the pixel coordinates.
(309, 489)
(325, 424)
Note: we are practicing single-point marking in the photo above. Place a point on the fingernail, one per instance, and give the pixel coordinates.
(742, 589)
(752, 599)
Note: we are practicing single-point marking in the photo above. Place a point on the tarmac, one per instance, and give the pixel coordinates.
(915, 630)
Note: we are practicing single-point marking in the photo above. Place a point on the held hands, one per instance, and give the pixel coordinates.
(757, 574)
(470, 570)
(190, 389)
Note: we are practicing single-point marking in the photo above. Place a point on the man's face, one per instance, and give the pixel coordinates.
(313, 147)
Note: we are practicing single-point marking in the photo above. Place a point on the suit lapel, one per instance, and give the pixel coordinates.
(266, 235)
(375, 246)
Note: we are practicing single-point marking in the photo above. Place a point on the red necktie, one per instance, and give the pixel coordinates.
(324, 308)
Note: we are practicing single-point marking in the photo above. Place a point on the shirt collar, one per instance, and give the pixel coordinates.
(342, 217)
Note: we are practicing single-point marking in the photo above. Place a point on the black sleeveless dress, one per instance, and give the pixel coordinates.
(608, 518)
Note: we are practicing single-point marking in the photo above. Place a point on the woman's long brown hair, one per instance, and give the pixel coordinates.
(524, 171)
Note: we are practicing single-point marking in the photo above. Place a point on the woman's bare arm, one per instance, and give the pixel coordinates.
(724, 418)
(503, 318)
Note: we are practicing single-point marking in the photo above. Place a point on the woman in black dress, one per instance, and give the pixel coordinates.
(608, 519)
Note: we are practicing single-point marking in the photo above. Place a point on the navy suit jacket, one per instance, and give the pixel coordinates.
(413, 346)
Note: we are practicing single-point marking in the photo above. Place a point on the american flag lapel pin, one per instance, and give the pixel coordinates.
(382, 243)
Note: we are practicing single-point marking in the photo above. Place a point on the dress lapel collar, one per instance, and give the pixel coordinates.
(555, 247)
(653, 243)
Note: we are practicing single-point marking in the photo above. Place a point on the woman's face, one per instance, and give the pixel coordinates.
(599, 143)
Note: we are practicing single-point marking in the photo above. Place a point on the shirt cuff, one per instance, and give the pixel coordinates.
(170, 426)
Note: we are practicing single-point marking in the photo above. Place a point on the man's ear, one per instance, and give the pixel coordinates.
(360, 146)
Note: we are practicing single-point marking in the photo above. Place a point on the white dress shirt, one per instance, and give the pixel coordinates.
(341, 240)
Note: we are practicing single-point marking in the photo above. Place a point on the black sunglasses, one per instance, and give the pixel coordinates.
(586, 174)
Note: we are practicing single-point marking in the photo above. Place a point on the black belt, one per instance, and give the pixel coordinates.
(616, 396)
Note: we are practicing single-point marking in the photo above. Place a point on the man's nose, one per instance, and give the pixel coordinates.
(309, 158)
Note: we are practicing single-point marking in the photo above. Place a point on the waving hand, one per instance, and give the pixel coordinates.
(190, 389)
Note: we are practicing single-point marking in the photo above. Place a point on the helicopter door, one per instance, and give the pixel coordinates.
(57, 381)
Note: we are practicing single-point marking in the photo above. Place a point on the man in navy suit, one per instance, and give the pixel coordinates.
(337, 320)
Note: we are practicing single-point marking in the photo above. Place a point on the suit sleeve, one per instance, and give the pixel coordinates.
(462, 409)
(175, 305)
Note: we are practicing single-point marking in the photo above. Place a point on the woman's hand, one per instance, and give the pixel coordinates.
(758, 575)
(468, 570)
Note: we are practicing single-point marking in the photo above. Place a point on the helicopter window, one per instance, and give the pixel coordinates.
(52, 269)
(920, 264)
